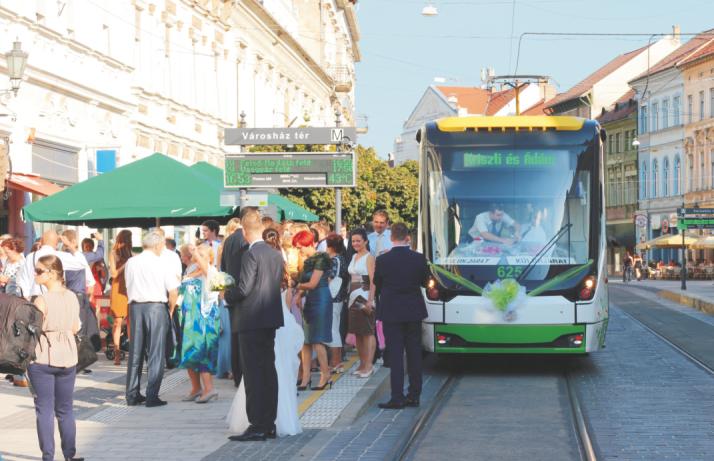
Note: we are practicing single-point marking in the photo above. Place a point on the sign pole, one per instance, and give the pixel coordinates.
(243, 192)
(338, 191)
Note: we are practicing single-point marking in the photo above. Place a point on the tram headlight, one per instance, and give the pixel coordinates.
(588, 288)
(433, 293)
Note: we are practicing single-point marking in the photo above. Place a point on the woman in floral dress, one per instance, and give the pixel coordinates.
(200, 321)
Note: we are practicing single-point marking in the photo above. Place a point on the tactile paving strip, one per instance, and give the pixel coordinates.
(323, 413)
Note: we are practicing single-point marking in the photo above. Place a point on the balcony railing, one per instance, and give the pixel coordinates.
(343, 78)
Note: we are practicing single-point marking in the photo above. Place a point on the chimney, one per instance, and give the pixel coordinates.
(676, 32)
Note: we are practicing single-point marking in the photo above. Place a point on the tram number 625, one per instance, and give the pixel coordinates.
(508, 272)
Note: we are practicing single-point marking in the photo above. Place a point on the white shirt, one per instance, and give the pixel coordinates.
(322, 246)
(254, 242)
(483, 223)
(172, 263)
(147, 279)
(70, 262)
(380, 243)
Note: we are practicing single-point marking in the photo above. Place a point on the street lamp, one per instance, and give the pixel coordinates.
(16, 60)
(635, 142)
(429, 10)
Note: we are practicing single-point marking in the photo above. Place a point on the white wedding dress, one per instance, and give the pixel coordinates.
(288, 343)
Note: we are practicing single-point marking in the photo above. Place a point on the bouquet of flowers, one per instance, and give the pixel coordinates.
(505, 295)
(220, 281)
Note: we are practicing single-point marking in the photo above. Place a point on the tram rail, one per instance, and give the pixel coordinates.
(420, 427)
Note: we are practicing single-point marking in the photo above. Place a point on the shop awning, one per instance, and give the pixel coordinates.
(33, 184)
(287, 208)
(667, 241)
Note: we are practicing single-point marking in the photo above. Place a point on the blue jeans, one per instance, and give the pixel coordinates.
(53, 398)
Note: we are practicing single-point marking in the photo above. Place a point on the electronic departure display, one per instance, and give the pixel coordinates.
(290, 169)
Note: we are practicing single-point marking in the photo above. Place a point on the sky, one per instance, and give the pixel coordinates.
(403, 51)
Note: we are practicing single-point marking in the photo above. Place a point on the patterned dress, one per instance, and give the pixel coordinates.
(200, 324)
(317, 311)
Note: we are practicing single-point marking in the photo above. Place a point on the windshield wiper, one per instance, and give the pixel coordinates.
(454, 212)
(546, 247)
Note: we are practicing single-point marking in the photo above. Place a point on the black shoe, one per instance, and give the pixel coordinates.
(155, 403)
(392, 405)
(250, 435)
(304, 388)
(74, 459)
(87, 371)
(412, 402)
(272, 433)
(135, 401)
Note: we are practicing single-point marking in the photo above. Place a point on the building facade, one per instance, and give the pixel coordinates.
(107, 83)
(609, 83)
(698, 77)
(458, 101)
(620, 124)
(666, 172)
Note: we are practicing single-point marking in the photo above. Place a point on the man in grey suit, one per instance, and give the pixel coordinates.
(259, 313)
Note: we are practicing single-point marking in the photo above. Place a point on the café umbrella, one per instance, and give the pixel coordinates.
(156, 189)
(667, 241)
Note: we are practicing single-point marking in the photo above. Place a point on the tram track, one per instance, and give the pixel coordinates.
(674, 346)
(420, 429)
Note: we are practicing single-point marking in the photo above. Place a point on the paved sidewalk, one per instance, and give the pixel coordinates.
(109, 430)
(699, 293)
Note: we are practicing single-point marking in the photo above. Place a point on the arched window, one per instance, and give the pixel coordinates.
(655, 172)
(665, 177)
(643, 182)
(677, 176)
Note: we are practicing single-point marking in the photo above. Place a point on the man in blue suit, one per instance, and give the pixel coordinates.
(399, 275)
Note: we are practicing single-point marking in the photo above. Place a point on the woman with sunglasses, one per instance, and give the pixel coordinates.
(52, 373)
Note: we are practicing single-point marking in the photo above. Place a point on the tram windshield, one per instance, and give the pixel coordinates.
(495, 211)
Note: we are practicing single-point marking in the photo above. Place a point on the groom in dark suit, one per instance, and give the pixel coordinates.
(259, 314)
(233, 249)
(399, 275)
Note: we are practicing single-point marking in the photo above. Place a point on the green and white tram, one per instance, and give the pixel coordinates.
(512, 219)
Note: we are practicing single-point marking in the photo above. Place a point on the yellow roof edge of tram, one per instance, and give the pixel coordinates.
(517, 122)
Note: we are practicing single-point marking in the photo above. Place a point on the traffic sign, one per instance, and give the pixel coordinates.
(289, 136)
(290, 169)
(641, 220)
(695, 223)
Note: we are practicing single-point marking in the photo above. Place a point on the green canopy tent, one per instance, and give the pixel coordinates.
(142, 193)
(286, 208)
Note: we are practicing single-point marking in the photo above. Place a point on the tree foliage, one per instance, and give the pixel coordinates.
(378, 187)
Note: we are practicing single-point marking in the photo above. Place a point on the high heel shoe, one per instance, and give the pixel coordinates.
(212, 396)
(117, 356)
(320, 388)
(192, 397)
(366, 374)
(304, 388)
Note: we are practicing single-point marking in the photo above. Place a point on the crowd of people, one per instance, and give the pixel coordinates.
(302, 293)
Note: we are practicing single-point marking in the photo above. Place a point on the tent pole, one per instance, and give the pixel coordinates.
(158, 222)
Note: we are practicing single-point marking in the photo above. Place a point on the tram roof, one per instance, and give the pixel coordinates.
(519, 122)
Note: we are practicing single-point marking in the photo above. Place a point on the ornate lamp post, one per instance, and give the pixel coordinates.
(16, 60)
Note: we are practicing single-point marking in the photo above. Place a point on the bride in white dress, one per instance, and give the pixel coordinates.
(288, 343)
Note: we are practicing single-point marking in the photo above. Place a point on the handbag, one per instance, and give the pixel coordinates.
(359, 303)
(86, 355)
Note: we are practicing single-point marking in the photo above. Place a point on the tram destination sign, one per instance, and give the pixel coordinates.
(290, 169)
(695, 223)
(289, 136)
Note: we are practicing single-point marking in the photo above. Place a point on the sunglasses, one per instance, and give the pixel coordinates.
(39, 271)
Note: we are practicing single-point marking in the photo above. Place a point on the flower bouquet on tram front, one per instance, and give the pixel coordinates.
(220, 281)
(505, 296)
